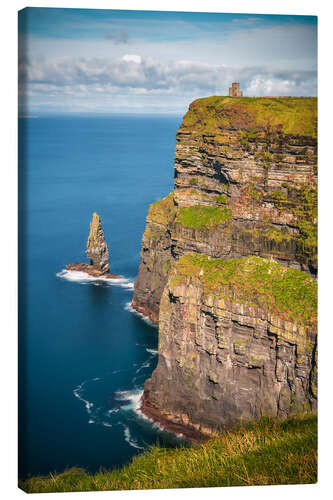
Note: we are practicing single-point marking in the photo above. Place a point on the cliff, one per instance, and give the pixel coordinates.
(245, 185)
(237, 341)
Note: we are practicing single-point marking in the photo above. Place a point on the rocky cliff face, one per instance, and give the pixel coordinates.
(245, 185)
(97, 249)
(237, 341)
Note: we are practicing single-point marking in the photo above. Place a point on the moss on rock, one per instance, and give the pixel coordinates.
(286, 292)
(202, 216)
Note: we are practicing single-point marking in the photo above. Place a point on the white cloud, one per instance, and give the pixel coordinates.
(133, 73)
(143, 74)
(132, 57)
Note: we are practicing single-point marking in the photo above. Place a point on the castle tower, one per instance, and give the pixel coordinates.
(235, 91)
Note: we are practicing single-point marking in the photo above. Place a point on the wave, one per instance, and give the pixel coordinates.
(154, 352)
(85, 278)
(106, 424)
(122, 414)
(128, 307)
(113, 410)
(77, 394)
(128, 438)
(152, 422)
(133, 397)
(146, 364)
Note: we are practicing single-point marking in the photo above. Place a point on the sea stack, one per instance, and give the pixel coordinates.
(97, 249)
(97, 252)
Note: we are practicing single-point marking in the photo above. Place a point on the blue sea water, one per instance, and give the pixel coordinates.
(83, 354)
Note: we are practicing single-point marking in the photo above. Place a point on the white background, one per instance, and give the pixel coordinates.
(8, 243)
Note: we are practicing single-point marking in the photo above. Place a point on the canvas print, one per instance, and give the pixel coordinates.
(167, 249)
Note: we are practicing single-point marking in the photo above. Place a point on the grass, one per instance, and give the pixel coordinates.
(221, 199)
(162, 211)
(201, 216)
(264, 453)
(290, 115)
(286, 292)
(306, 214)
(305, 201)
(277, 236)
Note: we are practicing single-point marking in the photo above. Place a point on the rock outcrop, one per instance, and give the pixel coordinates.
(97, 251)
(245, 188)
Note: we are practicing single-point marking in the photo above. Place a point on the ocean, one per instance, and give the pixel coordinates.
(83, 353)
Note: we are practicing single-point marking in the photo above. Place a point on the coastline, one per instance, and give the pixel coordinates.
(145, 312)
(189, 433)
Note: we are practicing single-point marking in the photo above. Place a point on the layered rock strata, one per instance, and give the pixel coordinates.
(228, 267)
(237, 341)
(245, 184)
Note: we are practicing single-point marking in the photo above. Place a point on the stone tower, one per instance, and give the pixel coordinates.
(234, 91)
(97, 249)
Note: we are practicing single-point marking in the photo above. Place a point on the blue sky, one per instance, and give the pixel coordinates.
(104, 61)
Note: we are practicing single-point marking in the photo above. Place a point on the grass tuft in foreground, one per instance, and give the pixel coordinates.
(262, 453)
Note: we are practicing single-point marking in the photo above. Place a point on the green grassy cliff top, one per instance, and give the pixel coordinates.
(287, 292)
(293, 115)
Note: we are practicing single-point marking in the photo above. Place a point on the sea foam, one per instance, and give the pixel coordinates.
(130, 308)
(154, 352)
(132, 396)
(77, 393)
(128, 438)
(85, 278)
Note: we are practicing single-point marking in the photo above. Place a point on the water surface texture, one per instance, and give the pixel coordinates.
(83, 354)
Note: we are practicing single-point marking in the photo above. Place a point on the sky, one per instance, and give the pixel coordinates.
(117, 61)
